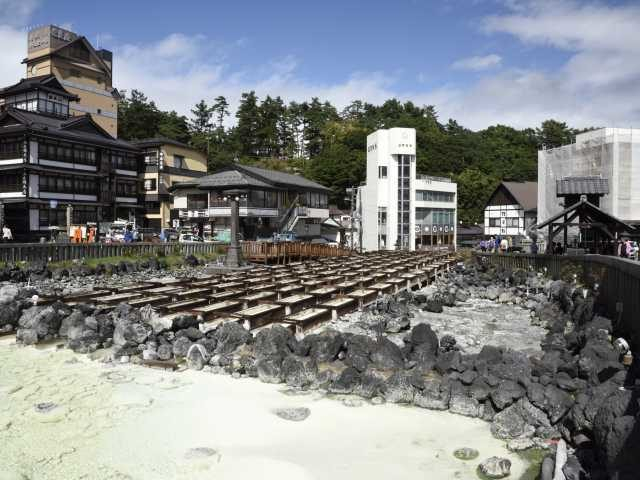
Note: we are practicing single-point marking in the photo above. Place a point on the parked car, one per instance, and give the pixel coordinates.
(189, 238)
(285, 237)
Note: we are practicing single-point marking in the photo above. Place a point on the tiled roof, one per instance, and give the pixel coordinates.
(230, 179)
(525, 193)
(582, 186)
(43, 82)
(282, 178)
(157, 141)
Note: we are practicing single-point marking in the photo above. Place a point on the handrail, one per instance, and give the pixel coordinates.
(615, 280)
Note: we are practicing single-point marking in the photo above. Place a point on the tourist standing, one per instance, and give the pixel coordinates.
(491, 245)
(504, 245)
(7, 236)
(483, 246)
(534, 248)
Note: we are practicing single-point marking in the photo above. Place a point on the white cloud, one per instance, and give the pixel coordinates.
(14, 49)
(478, 63)
(597, 85)
(16, 12)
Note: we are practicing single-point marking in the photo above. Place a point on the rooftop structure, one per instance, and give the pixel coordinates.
(83, 70)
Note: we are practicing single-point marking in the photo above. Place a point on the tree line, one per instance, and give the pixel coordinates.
(316, 140)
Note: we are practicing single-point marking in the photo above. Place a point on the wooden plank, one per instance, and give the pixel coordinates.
(119, 298)
(184, 305)
(261, 296)
(154, 300)
(308, 318)
(215, 309)
(260, 315)
(224, 295)
(296, 302)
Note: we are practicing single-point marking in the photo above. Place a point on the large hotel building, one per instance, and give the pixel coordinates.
(59, 146)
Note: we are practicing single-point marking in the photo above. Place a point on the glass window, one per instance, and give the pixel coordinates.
(149, 184)
(10, 182)
(382, 172)
(178, 161)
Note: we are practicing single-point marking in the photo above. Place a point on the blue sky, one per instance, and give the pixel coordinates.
(480, 61)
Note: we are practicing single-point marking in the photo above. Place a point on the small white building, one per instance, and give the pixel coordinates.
(612, 154)
(397, 208)
(511, 210)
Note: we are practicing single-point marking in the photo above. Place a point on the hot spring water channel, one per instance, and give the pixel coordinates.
(68, 416)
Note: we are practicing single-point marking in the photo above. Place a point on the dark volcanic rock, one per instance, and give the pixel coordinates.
(299, 371)
(324, 347)
(346, 382)
(387, 355)
(229, 337)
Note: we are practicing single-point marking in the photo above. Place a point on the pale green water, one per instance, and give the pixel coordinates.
(130, 422)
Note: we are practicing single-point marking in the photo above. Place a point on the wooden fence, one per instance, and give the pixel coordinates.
(253, 251)
(617, 281)
(286, 251)
(58, 252)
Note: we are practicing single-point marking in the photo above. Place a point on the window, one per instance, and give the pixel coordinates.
(382, 215)
(124, 161)
(66, 152)
(10, 148)
(52, 217)
(382, 172)
(512, 222)
(178, 161)
(82, 214)
(125, 188)
(152, 207)
(149, 184)
(494, 222)
(197, 201)
(404, 187)
(68, 184)
(10, 182)
(434, 196)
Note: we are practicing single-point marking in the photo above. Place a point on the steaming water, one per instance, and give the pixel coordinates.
(64, 416)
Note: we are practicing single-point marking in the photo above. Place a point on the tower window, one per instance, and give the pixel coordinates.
(382, 172)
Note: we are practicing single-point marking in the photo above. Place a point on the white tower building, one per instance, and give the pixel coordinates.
(399, 209)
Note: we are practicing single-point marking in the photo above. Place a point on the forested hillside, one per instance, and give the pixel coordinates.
(318, 141)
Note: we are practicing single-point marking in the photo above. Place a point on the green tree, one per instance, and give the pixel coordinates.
(474, 189)
(138, 117)
(553, 134)
(174, 126)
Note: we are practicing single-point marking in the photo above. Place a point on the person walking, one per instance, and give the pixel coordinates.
(534, 248)
(7, 236)
(483, 246)
(492, 245)
(504, 245)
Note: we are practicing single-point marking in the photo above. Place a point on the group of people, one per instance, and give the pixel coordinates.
(497, 244)
(628, 249)
(7, 236)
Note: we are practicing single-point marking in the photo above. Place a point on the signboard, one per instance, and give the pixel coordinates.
(53, 204)
(427, 228)
(417, 228)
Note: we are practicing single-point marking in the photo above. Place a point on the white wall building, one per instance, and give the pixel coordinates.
(397, 207)
(511, 210)
(611, 153)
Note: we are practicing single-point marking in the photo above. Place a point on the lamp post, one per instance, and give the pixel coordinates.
(234, 253)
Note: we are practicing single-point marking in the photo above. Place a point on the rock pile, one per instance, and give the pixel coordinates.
(576, 388)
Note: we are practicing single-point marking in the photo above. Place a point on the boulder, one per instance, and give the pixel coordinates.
(397, 324)
(496, 467)
(269, 369)
(197, 356)
(274, 341)
(181, 347)
(506, 393)
(387, 355)
(41, 323)
(346, 382)
(229, 337)
(399, 388)
(435, 395)
(325, 346)
(131, 334)
(358, 350)
(299, 371)
(465, 405)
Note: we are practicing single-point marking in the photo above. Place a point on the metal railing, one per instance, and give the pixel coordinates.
(616, 280)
